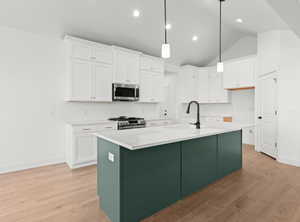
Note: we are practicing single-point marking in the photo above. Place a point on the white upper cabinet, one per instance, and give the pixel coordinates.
(151, 87)
(80, 50)
(239, 73)
(188, 81)
(102, 80)
(102, 54)
(80, 80)
(203, 85)
(90, 71)
(126, 66)
(151, 79)
(152, 64)
(217, 94)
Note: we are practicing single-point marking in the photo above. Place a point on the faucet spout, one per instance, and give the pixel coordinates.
(198, 112)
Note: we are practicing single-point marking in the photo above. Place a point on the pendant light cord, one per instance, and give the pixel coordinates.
(165, 27)
(220, 33)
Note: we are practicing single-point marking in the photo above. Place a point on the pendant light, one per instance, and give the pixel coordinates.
(220, 65)
(165, 49)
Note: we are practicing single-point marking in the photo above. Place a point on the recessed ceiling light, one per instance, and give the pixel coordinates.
(136, 13)
(168, 26)
(195, 38)
(239, 20)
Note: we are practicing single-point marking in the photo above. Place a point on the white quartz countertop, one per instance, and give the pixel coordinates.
(134, 139)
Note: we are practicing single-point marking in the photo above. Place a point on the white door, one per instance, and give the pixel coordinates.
(267, 119)
(102, 84)
(81, 74)
(85, 148)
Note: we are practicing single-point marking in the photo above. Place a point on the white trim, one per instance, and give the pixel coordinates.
(76, 166)
(26, 166)
(289, 161)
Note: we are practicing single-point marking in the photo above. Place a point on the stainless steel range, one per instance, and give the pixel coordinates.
(124, 122)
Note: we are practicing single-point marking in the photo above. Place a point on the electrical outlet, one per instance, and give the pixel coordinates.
(111, 157)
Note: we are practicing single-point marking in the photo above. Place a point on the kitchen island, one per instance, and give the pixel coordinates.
(142, 171)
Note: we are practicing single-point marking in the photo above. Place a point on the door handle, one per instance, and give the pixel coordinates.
(260, 117)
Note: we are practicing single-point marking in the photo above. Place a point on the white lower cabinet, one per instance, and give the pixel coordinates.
(85, 149)
(81, 144)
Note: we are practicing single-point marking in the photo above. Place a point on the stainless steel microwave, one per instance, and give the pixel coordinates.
(125, 92)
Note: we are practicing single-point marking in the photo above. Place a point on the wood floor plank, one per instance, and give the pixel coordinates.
(264, 190)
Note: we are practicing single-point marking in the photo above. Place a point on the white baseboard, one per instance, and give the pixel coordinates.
(289, 161)
(26, 166)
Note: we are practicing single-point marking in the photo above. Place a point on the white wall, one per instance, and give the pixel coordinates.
(280, 50)
(288, 99)
(244, 47)
(33, 113)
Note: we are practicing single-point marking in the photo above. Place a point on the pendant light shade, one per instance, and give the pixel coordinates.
(165, 51)
(220, 65)
(165, 48)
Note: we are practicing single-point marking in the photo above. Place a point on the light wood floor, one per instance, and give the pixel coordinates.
(263, 191)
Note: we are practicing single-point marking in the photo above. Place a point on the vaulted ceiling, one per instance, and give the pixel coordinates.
(111, 22)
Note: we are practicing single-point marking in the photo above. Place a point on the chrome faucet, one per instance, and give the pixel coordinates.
(198, 113)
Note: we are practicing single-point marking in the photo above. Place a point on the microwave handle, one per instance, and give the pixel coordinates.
(137, 93)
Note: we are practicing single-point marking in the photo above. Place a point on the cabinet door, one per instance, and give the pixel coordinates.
(199, 163)
(133, 68)
(188, 83)
(217, 94)
(146, 63)
(222, 95)
(120, 73)
(203, 86)
(213, 87)
(246, 76)
(102, 82)
(157, 87)
(146, 87)
(127, 68)
(230, 75)
(81, 83)
(157, 66)
(229, 153)
(102, 54)
(80, 51)
(85, 148)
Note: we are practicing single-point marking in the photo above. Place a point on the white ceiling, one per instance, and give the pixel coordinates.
(258, 15)
(111, 21)
(289, 11)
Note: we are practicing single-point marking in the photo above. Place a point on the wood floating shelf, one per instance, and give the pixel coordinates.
(227, 119)
(243, 88)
